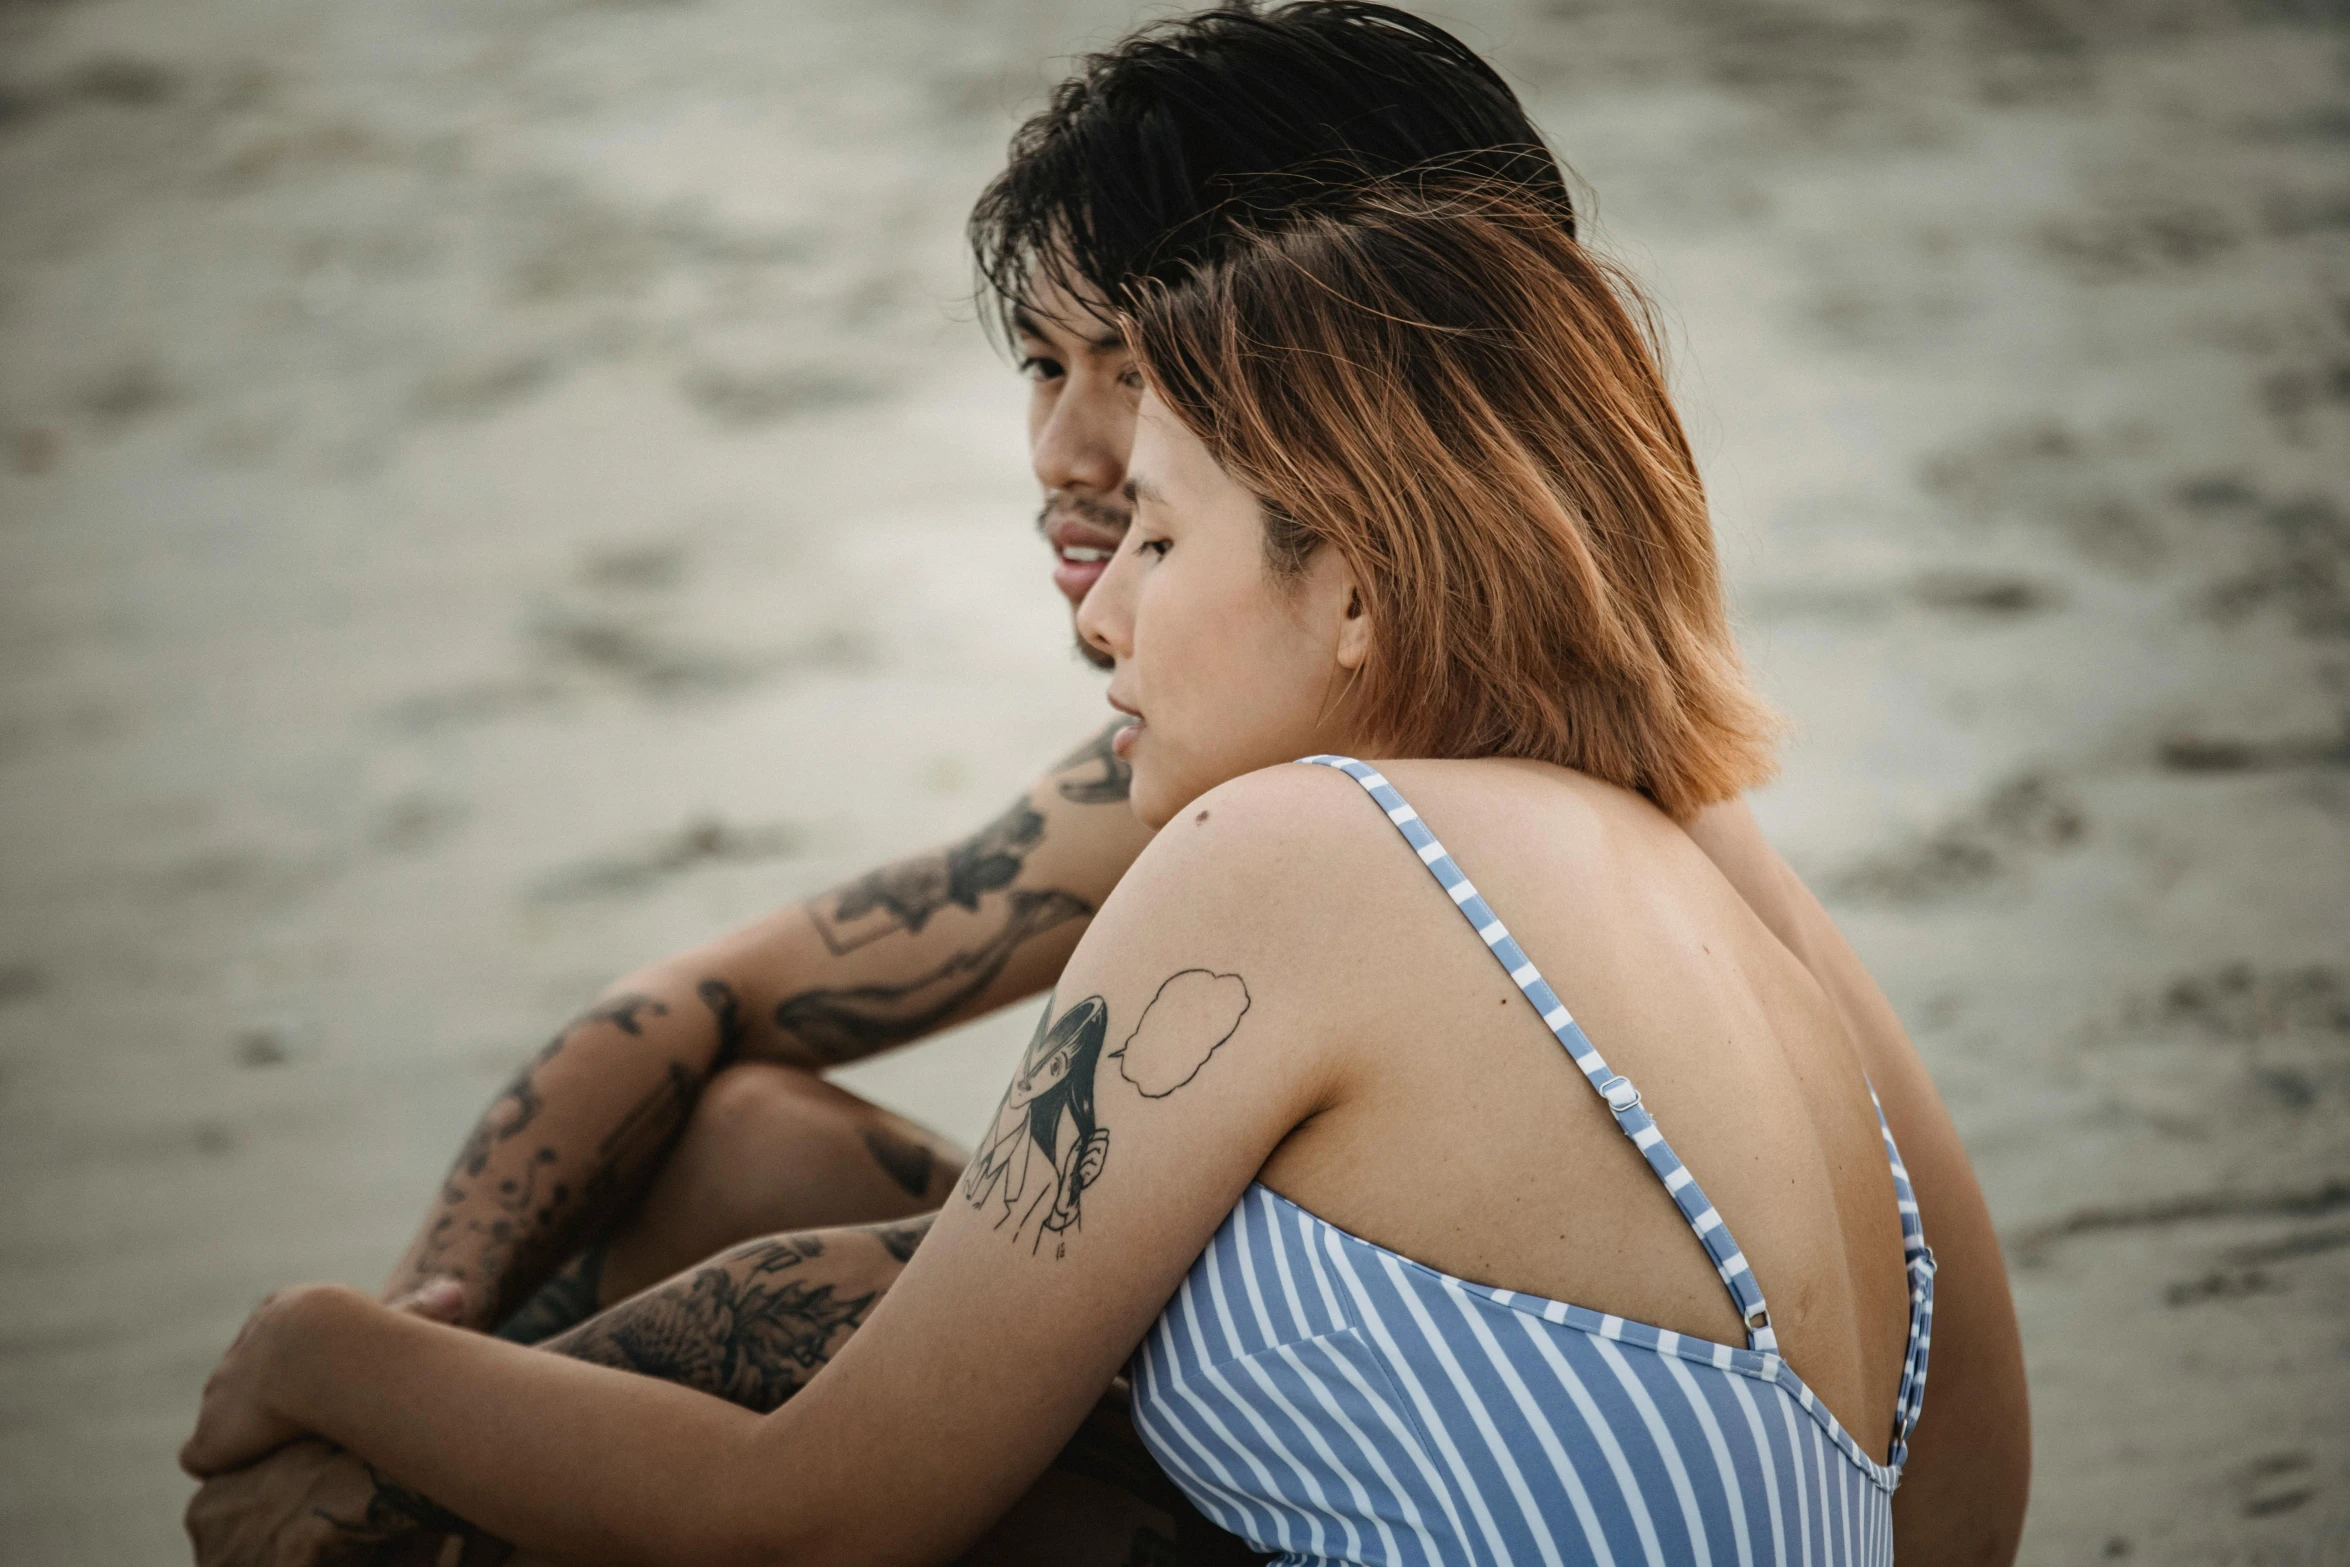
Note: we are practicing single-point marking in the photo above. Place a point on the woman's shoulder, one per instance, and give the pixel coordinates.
(1323, 833)
(1261, 830)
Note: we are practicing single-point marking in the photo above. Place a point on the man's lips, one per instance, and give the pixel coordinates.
(1081, 552)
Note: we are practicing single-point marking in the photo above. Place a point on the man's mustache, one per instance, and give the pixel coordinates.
(1102, 514)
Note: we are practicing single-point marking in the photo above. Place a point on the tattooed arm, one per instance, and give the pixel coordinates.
(573, 1137)
(1140, 1112)
(886, 959)
(750, 1326)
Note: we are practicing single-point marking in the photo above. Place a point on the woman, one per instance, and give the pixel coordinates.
(1309, 1138)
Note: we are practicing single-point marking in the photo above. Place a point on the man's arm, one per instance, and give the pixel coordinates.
(1063, 1249)
(884, 960)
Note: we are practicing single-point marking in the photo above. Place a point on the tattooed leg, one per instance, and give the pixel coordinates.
(768, 1150)
(773, 1150)
(752, 1326)
(564, 1301)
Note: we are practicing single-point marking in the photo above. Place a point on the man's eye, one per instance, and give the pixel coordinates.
(1038, 368)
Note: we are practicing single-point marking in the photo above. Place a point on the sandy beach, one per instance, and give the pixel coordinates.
(492, 495)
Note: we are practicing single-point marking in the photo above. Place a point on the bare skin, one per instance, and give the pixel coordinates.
(1035, 1286)
(664, 1177)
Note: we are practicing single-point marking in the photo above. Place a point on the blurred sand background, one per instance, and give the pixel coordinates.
(493, 494)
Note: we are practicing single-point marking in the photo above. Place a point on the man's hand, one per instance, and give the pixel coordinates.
(437, 1299)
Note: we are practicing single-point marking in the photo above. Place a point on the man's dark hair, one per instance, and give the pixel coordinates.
(1156, 147)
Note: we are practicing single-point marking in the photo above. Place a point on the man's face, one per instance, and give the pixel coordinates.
(1082, 395)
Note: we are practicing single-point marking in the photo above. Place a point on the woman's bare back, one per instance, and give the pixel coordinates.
(1463, 1137)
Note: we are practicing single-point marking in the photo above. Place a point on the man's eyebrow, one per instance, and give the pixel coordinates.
(1025, 322)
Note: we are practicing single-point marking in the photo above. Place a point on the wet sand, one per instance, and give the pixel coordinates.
(492, 495)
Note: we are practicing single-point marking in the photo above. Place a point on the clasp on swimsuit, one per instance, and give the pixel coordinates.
(1619, 1093)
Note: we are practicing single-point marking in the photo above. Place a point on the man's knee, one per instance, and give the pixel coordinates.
(760, 1116)
(756, 1106)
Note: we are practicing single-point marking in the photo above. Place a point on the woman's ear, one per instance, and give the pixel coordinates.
(1354, 632)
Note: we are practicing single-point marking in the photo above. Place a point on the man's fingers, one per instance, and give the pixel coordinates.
(437, 1300)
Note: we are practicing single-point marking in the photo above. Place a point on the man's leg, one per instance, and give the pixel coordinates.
(772, 1149)
(754, 1324)
(768, 1150)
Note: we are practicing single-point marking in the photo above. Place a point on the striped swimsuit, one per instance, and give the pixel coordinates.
(1327, 1399)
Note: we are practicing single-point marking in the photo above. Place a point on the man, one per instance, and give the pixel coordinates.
(686, 1113)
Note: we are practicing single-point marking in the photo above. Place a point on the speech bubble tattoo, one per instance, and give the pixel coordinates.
(1193, 1013)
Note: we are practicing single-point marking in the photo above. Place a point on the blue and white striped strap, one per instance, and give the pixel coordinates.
(1622, 1098)
(1911, 1396)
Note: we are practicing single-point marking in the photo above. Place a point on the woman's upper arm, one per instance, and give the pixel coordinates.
(1179, 1051)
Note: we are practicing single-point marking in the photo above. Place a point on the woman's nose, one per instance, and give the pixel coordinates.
(1105, 620)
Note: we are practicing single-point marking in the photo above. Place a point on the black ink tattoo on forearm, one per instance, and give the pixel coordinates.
(904, 896)
(843, 1023)
(501, 1241)
(1046, 1147)
(519, 1103)
(519, 1252)
(622, 1012)
(740, 1328)
(1111, 784)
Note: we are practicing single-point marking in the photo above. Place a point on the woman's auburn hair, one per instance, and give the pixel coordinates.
(1431, 376)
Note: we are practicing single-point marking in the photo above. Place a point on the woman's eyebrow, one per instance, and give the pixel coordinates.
(1138, 489)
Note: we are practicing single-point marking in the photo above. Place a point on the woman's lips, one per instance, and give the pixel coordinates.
(1122, 742)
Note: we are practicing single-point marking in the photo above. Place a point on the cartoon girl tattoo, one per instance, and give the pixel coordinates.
(1045, 1149)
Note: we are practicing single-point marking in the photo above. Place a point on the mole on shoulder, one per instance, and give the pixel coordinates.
(1201, 817)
